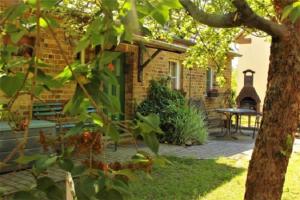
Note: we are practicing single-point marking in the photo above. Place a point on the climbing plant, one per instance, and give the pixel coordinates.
(102, 24)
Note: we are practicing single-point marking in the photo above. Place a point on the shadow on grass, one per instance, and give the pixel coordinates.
(185, 179)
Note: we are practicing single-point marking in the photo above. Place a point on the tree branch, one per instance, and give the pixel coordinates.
(214, 20)
(244, 16)
(250, 19)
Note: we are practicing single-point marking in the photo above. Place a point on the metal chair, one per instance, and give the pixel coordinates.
(212, 122)
(257, 124)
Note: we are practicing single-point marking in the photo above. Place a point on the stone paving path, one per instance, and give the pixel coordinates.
(241, 148)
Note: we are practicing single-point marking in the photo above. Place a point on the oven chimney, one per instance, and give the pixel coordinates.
(248, 97)
(248, 77)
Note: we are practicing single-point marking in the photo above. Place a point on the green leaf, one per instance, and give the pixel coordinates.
(16, 36)
(292, 11)
(47, 80)
(55, 193)
(44, 183)
(17, 62)
(113, 133)
(82, 44)
(89, 186)
(43, 23)
(111, 103)
(161, 16)
(11, 84)
(97, 119)
(108, 57)
(175, 4)
(64, 76)
(108, 77)
(78, 170)
(295, 14)
(286, 11)
(38, 89)
(151, 141)
(2, 191)
(31, 2)
(126, 172)
(66, 164)
(48, 3)
(76, 130)
(150, 123)
(23, 160)
(138, 156)
(161, 161)
(24, 195)
(15, 11)
(44, 163)
(111, 194)
(48, 186)
(96, 39)
(78, 104)
(68, 151)
(110, 4)
(51, 22)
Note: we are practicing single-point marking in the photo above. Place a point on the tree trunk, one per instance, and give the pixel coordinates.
(274, 143)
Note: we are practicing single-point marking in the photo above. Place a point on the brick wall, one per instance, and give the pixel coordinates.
(193, 81)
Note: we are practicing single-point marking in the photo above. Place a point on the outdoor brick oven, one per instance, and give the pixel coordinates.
(248, 97)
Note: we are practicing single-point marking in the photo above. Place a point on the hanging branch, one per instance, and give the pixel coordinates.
(21, 146)
(244, 16)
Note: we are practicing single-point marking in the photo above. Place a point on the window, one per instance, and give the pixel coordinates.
(85, 56)
(175, 74)
(209, 80)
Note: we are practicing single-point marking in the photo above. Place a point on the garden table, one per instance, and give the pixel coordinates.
(238, 112)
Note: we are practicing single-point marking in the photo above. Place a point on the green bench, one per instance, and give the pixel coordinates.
(53, 111)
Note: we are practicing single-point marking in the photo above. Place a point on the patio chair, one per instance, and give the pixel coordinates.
(212, 121)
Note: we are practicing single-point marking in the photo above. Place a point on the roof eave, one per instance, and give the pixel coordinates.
(158, 44)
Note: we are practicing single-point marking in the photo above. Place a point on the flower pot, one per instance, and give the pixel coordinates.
(213, 93)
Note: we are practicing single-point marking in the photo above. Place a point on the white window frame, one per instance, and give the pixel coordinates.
(211, 82)
(178, 74)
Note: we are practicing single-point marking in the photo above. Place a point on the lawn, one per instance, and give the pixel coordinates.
(220, 179)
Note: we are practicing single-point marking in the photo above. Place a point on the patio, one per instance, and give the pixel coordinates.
(213, 148)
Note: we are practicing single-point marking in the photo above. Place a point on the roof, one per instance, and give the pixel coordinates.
(158, 44)
(179, 45)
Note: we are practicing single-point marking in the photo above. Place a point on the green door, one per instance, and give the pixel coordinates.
(117, 90)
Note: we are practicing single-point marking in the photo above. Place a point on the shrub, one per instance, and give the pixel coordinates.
(179, 123)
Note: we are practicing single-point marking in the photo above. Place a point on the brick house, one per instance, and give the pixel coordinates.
(137, 68)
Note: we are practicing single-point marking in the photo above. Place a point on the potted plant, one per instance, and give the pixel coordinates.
(26, 44)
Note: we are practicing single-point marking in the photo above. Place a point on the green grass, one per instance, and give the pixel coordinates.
(220, 179)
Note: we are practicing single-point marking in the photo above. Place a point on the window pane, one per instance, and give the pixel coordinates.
(175, 75)
(173, 69)
(173, 83)
(209, 79)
